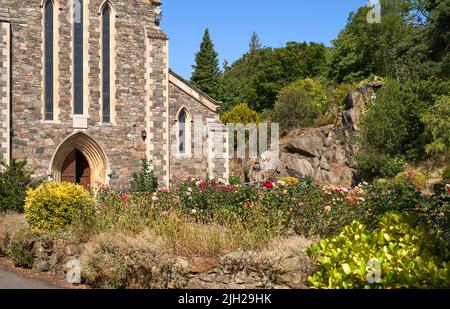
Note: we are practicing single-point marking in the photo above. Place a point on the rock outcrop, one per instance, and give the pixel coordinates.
(321, 154)
(324, 153)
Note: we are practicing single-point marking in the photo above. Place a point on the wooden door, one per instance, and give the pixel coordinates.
(69, 168)
(76, 169)
(83, 171)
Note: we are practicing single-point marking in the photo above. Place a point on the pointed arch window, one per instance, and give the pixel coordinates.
(78, 43)
(106, 63)
(184, 132)
(49, 59)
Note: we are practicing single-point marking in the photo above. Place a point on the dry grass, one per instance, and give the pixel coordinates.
(119, 260)
(209, 240)
(10, 223)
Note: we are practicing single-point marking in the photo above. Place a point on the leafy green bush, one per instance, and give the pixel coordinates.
(392, 125)
(145, 181)
(401, 253)
(299, 104)
(393, 167)
(437, 125)
(54, 206)
(372, 164)
(241, 114)
(21, 248)
(446, 173)
(14, 182)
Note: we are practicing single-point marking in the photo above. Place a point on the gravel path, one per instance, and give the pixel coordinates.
(9, 280)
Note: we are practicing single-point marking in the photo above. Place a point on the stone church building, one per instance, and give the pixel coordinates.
(86, 93)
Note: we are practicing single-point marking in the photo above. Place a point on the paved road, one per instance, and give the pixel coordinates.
(10, 280)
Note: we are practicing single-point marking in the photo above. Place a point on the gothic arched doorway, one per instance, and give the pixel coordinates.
(76, 169)
(80, 159)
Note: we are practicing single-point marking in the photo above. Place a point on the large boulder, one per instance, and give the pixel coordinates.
(297, 166)
(308, 146)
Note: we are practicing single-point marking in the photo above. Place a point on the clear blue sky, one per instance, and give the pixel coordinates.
(232, 22)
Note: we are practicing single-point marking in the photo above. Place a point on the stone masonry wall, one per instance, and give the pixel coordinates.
(158, 96)
(37, 140)
(182, 168)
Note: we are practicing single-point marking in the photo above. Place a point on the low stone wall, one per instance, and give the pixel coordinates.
(290, 273)
(275, 269)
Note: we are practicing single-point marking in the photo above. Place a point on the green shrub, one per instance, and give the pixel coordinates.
(21, 248)
(54, 206)
(145, 181)
(446, 173)
(241, 114)
(234, 180)
(392, 124)
(300, 104)
(437, 125)
(371, 165)
(14, 182)
(401, 253)
(393, 167)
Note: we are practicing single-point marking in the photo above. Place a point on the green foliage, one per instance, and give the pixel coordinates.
(437, 125)
(392, 48)
(145, 181)
(446, 173)
(15, 180)
(392, 125)
(240, 114)
(234, 180)
(371, 165)
(21, 248)
(300, 104)
(206, 75)
(393, 167)
(401, 253)
(54, 206)
(259, 75)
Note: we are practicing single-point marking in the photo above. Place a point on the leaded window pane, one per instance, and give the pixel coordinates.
(49, 38)
(106, 64)
(182, 132)
(78, 62)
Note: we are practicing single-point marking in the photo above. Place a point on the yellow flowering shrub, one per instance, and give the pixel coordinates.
(290, 180)
(54, 206)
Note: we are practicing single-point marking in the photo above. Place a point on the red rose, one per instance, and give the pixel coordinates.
(268, 185)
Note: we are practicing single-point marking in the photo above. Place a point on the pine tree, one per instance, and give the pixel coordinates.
(206, 75)
(255, 43)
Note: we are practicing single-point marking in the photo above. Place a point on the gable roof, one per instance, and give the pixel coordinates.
(193, 92)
